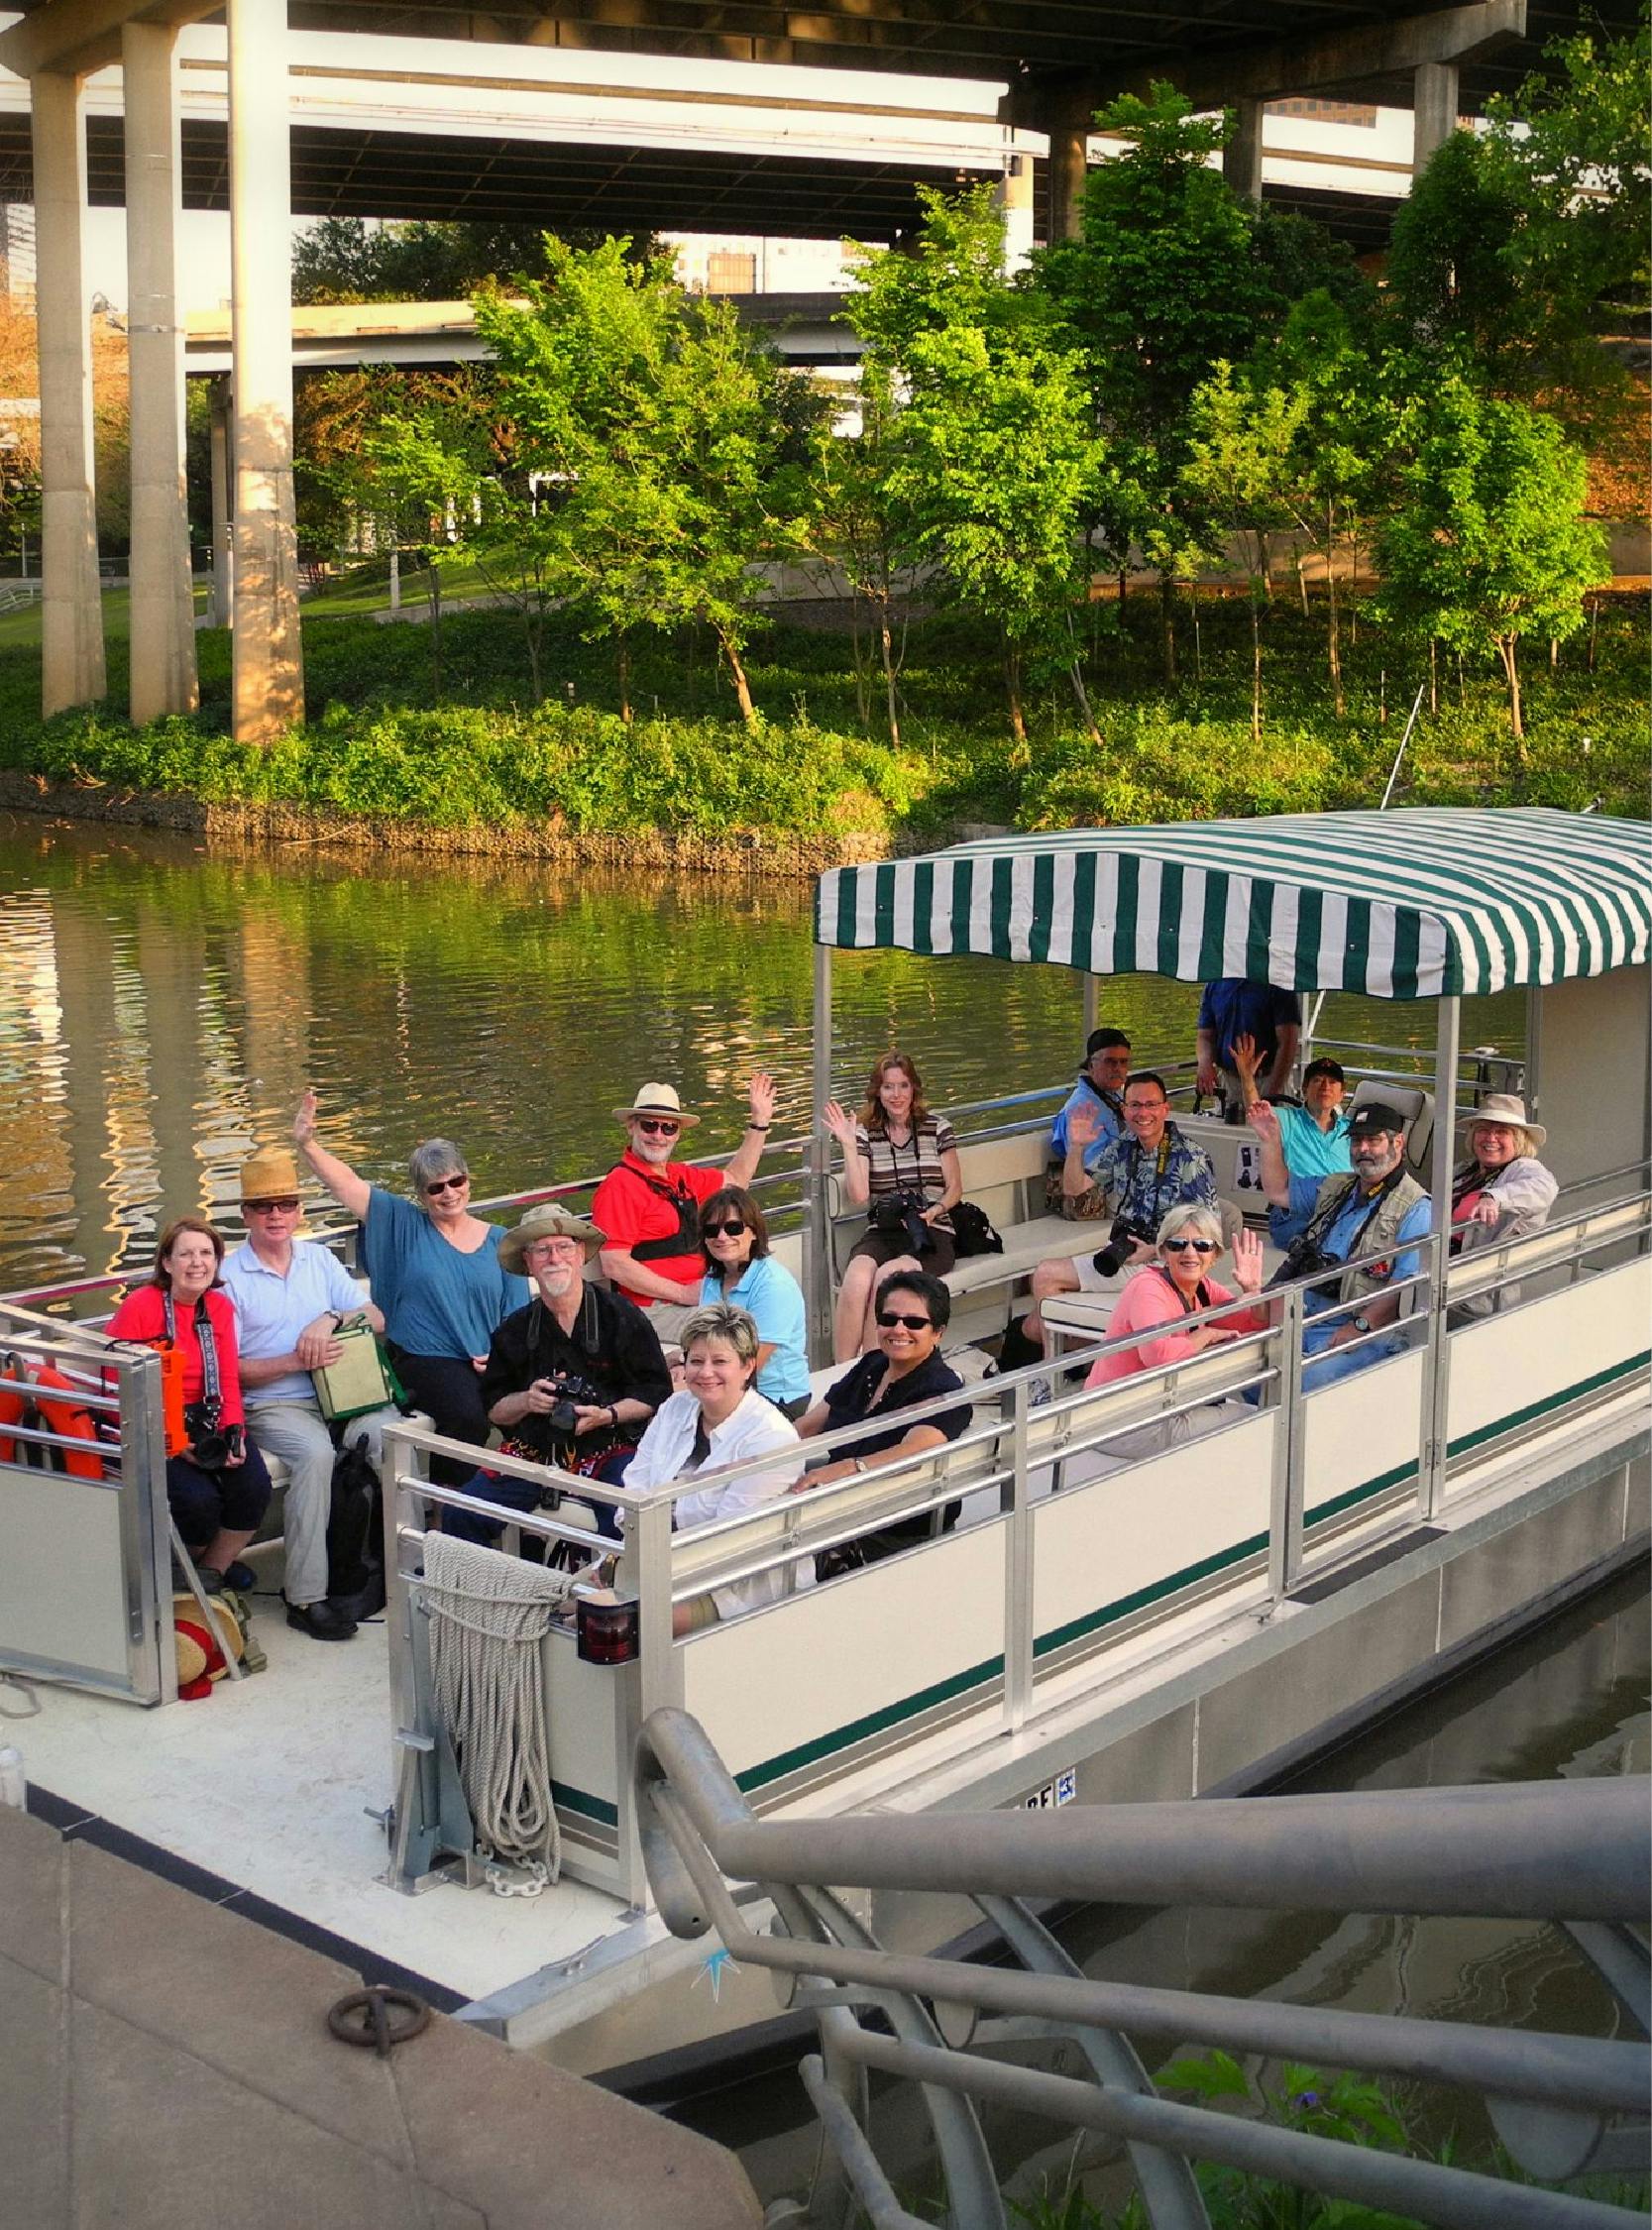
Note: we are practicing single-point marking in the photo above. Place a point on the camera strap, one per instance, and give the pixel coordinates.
(212, 1386)
(685, 1240)
(1192, 1307)
(1162, 1161)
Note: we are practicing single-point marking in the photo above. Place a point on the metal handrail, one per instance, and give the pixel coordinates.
(1532, 1850)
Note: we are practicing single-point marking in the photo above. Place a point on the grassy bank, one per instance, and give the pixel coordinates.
(389, 744)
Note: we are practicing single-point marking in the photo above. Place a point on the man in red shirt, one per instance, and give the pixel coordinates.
(647, 1207)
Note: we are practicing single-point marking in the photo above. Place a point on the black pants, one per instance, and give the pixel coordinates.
(205, 1503)
(449, 1387)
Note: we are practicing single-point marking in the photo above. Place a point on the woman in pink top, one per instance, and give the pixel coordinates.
(1155, 1301)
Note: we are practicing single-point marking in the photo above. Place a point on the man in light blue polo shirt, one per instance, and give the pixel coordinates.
(289, 1294)
(1314, 1136)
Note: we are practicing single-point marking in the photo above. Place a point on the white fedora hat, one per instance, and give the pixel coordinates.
(656, 1099)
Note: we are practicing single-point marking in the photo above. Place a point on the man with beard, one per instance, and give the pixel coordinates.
(1378, 1210)
(573, 1379)
(648, 1205)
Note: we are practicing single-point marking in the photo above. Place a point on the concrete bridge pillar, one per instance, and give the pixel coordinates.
(1068, 168)
(1434, 110)
(71, 611)
(163, 677)
(1015, 200)
(269, 669)
(223, 485)
(1242, 156)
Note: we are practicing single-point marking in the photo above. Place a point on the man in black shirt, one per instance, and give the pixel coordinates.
(573, 1379)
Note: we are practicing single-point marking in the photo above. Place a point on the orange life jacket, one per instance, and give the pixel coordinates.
(68, 1416)
(14, 1399)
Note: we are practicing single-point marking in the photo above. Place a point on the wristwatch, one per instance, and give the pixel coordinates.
(1362, 1323)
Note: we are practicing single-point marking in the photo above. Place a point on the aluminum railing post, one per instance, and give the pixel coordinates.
(661, 1678)
(1434, 1425)
(1018, 1573)
(817, 1165)
(1284, 1524)
(146, 1533)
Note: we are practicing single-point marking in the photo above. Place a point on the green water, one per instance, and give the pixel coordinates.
(162, 1010)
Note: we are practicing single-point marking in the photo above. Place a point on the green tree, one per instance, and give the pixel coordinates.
(353, 259)
(1164, 282)
(1487, 545)
(860, 528)
(994, 461)
(659, 439)
(1243, 446)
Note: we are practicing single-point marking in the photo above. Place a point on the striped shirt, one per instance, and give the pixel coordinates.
(912, 1167)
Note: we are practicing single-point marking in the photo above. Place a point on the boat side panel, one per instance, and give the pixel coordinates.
(1363, 1436)
(1593, 1087)
(63, 1591)
(1510, 1369)
(834, 1667)
(1118, 1544)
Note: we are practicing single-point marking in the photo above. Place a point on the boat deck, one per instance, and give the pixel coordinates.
(269, 1786)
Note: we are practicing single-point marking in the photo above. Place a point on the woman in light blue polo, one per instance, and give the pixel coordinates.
(740, 1271)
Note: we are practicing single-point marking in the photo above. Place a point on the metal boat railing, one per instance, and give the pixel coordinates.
(1574, 1851)
(1021, 1451)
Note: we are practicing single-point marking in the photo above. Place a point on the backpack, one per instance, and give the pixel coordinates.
(354, 1547)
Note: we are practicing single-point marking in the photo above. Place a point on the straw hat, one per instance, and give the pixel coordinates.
(271, 1174)
(1503, 1107)
(548, 1221)
(656, 1099)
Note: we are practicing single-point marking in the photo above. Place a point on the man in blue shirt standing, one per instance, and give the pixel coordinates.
(1236, 1007)
(289, 1297)
(1100, 1088)
(1378, 1211)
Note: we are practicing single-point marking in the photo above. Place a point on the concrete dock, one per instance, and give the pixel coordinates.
(164, 2061)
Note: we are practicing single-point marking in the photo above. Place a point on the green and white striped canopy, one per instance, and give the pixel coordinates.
(1404, 905)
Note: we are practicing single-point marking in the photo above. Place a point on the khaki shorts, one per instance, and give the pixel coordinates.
(699, 1612)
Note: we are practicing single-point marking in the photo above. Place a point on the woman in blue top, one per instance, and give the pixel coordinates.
(739, 1270)
(435, 1273)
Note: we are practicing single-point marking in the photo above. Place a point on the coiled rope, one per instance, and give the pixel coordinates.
(489, 1615)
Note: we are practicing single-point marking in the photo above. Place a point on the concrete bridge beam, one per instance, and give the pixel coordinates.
(269, 671)
(71, 611)
(163, 675)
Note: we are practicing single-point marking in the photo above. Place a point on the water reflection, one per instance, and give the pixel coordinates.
(162, 1009)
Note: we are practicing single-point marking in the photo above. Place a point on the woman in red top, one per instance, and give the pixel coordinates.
(1154, 1305)
(218, 1488)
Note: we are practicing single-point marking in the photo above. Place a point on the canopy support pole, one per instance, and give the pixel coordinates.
(1436, 1377)
(817, 1163)
(1532, 1077)
(1092, 1002)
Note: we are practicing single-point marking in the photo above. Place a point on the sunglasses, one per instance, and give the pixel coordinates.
(658, 1126)
(270, 1207)
(1198, 1246)
(891, 1316)
(447, 1183)
(723, 1230)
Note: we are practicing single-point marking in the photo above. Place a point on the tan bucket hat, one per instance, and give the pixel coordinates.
(656, 1099)
(548, 1221)
(1503, 1107)
(269, 1175)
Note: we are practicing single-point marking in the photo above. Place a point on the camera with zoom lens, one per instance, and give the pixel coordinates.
(902, 1212)
(1110, 1259)
(1304, 1259)
(210, 1448)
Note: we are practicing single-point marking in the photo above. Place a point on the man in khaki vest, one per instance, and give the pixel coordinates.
(1379, 1211)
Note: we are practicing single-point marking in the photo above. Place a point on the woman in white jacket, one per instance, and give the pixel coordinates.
(719, 1419)
(1501, 1191)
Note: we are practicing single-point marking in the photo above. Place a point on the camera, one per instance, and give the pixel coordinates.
(902, 1212)
(1110, 1259)
(210, 1449)
(571, 1394)
(1304, 1259)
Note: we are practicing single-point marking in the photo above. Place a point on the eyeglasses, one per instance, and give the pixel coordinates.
(658, 1126)
(889, 1317)
(447, 1183)
(1198, 1246)
(268, 1207)
(723, 1230)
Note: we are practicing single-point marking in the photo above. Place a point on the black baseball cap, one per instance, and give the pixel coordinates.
(1102, 1040)
(1324, 1066)
(1374, 1116)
